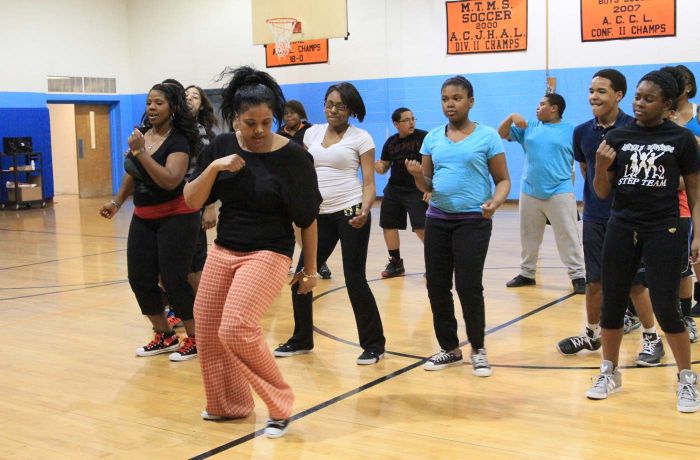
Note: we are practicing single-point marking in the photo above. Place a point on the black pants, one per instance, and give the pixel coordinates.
(162, 246)
(353, 243)
(661, 251)
(459, 247)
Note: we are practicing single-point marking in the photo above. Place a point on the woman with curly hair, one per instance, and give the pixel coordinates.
(163, 228)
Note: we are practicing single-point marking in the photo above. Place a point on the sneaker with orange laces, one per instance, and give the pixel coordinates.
(187, 350)
(174, 321)
(163, 342)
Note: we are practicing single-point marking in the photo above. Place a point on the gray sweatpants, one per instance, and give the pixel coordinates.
(560, 209)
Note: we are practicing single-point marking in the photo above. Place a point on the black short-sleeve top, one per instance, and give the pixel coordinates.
(260, 202)
(146, 192)
(648, 164)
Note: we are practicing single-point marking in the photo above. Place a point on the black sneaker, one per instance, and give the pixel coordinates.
(163, 342)
(393, 268)
(324, 272)
(187, 350)
(369, 357)
(276, 428)
(579, 285)
(652, 350)
(585, 341)
(442, 360)
(692, 329)
(519, 281)
(631, 322)
(695, 311)
(288, 349)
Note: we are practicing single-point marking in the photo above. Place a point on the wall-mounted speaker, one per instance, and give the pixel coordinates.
(14, 145)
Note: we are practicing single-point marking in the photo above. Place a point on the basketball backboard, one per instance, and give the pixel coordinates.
(318, 18)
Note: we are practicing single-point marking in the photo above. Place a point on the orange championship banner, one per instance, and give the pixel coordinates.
(622, 19)
(301, 53)
(486, 26)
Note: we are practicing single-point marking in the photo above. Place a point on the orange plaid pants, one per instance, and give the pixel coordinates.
(235, 291)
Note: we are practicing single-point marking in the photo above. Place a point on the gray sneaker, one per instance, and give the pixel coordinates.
(692, 329)
(652, 350)
(607, 382)
(631, 322)
(480, 364)
(688, 397)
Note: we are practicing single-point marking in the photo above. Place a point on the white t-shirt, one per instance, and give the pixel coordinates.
(337, 165)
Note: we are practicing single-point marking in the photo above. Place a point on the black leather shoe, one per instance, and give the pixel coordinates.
(579, 285)
(520, 281)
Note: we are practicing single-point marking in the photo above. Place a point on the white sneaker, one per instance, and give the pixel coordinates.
(688, 397)
(609, 381)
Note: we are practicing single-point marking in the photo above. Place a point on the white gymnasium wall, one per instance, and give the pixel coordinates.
(143, 41)
(388, 38)
(62, 37)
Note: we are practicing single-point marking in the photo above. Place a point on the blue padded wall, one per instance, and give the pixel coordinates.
(34, 123)
(497, 94)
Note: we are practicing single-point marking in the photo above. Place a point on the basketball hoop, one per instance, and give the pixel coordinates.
(282, 29)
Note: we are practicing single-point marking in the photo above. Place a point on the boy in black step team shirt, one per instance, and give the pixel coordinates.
(401, 196)
(641, 166)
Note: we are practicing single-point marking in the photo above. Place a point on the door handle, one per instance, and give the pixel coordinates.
(80, 149)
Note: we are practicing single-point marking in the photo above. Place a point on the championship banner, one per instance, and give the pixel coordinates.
(486, 26)
(620, 19)
(301, 53)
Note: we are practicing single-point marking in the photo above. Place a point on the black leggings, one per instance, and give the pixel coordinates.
(353, 243)
(622, 251)
(162, 246)
(459, 247)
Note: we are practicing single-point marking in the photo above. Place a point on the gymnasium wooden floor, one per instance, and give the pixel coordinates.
(71, 386)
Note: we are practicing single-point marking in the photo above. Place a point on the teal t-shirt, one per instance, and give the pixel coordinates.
(461, 177)
(549, 157)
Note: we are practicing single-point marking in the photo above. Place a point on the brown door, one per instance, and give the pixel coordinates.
(93, 142)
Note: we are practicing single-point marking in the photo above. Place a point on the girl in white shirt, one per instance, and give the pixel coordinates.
(339, 150)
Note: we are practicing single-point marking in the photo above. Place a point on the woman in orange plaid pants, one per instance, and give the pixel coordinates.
(264, 183)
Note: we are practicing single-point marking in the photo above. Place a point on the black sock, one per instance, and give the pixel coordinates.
(395, 254)
(685, 306)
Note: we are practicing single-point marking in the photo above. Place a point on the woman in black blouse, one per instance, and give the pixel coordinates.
(163, 229)
(265, 183)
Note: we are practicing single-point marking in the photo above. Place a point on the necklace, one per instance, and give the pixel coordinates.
(156, 142)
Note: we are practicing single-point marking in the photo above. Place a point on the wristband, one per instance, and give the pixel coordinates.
(116, 203)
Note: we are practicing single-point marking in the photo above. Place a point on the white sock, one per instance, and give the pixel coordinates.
(595, 328)
(651, 330)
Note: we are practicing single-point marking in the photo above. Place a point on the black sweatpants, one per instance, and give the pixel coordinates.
(162, 247)
(661, 250)
(353, 243)
(459, 247)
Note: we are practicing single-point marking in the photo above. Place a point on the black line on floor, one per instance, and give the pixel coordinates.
(61, 291)
(46, 232)
(60, 260)
(323, 405)
(579, 368)
(93, 283)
